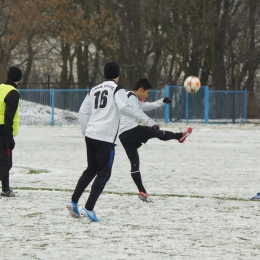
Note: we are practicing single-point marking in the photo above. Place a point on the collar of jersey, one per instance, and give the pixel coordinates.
(109, 80)
(133, 93)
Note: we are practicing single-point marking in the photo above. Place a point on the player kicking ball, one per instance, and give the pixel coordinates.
(133, 135)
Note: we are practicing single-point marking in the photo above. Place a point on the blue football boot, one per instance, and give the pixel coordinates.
(73, 209)
(89, 214)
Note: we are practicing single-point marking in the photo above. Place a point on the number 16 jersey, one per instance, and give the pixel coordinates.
(99, 114)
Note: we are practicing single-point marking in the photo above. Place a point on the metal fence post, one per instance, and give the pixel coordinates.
(52, 106)
(166, 107)
(245, 105)
(206, 104)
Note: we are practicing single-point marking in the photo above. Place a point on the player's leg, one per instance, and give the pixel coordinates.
(5, 166)
(144, 133)
(133, 157)
(131, 145)
(167, 135)
(87, 176)
(105, 157)
(141, 134)
(136, 174)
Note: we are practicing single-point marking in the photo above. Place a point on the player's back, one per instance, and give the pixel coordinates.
(104, 120)
(126, 122)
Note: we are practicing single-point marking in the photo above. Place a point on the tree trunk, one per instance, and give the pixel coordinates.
(4, 59)
(27, 71)
(65, 49)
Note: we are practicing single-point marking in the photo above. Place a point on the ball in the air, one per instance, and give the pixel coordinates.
(192, 84)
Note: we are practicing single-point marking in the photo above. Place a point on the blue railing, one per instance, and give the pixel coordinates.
(207, 106)
(60, 106)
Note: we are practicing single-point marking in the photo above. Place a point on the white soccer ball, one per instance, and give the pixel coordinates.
(192, 84)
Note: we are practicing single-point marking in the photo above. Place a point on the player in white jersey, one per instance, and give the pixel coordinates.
(133, 135)
(99, 117)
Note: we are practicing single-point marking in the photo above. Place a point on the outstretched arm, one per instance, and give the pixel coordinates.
(147, 106)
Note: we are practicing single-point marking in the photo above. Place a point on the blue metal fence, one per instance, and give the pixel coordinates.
(54, 106)
(156, 114)
(61, 106)
(207, 106)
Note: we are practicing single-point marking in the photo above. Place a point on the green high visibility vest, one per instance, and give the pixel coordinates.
(4, 90)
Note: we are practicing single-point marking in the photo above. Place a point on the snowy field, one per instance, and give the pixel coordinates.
(201, 191)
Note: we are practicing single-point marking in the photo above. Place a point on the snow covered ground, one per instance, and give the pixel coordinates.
(32, 113)
(201, 191)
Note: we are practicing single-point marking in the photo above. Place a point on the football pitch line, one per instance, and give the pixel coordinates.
(134, 194)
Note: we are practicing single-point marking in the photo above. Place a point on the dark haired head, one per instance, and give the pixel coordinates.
(111, 70)
(142, 83)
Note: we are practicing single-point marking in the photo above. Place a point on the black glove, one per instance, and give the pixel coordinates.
(155, 128)
(166, 100)
(10, 143)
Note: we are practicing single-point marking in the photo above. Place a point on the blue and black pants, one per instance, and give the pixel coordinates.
(100, 157)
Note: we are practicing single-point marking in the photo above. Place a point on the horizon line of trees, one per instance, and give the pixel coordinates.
(69, 41)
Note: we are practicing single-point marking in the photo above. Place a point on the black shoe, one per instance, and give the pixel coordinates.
(9, 193)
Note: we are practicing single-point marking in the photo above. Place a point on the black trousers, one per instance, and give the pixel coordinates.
(5, 162)
(100, 156)
(133, 139)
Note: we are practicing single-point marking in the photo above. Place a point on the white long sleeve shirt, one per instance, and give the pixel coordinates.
(127, 123)
(99, 114)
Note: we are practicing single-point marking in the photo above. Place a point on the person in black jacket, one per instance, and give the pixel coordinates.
(9, 123)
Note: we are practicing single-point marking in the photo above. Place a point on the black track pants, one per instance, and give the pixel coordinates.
(5, 162)
(100, 156)
(133, 139)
